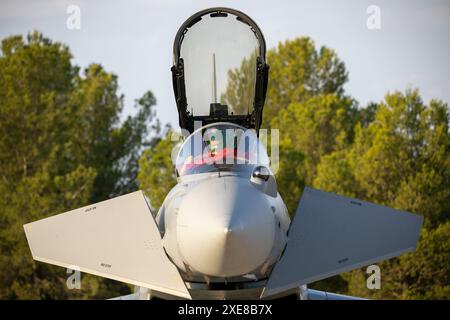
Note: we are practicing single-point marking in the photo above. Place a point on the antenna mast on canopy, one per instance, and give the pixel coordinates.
(214, 79)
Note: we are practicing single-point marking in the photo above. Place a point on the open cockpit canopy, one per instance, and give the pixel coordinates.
(219, 72)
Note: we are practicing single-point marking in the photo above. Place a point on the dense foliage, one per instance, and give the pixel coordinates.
(62, 146)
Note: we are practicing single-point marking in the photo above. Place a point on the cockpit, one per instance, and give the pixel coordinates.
(221, 147)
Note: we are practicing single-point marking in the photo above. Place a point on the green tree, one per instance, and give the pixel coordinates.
(298, 72)
(62, 146)
(113, 148)
(318, 126)
(402, 160)
(156, 170)
(240, 91)
(309, 130)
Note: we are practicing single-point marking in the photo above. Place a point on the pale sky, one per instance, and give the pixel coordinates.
(134, 39)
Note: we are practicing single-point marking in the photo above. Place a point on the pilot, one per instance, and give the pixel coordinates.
(215, 156)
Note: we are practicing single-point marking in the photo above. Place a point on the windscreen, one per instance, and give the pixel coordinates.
(221, 147)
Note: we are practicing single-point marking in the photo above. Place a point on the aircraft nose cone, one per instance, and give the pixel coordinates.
(225, 227)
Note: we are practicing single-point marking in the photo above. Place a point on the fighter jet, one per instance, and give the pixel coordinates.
(223, 232)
